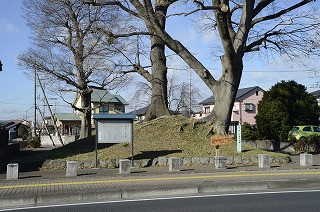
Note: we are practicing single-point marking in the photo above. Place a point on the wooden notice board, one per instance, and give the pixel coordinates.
(220, 140)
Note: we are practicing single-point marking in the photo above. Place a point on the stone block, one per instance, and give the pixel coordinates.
(264, 161)
(12, 171)
(174, 164)
(124, 166)
(306, 160)
(72, 169)
(220, 162)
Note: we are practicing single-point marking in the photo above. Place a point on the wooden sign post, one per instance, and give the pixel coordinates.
(220, 140)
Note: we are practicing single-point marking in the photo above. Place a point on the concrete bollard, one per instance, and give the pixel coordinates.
(72, 169)
(12, 171)
(124, 166)
(306, 160)
(220, 162)
(174, 164)
(264, 161)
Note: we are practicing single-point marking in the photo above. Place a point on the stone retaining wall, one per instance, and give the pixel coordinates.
(162, 161)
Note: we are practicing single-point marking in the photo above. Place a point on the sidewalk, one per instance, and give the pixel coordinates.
(53, 187)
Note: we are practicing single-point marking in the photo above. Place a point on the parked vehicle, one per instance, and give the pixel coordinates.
(304, 132)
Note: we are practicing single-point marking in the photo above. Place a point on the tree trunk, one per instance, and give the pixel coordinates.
(225, 93)
(85, 130)
(159, 99)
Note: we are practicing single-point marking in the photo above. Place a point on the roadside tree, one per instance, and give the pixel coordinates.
(69, 53)
(285, 105)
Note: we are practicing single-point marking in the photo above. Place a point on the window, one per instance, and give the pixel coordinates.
(307, 129)
(104, 109)
(207, 110)
(248, 107)
(257, 93)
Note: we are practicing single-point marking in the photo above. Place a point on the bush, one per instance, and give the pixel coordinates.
(34, 142)
(248, 132)
(23, 132)
(311, 145)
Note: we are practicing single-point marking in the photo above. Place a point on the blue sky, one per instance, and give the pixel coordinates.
(17, 93)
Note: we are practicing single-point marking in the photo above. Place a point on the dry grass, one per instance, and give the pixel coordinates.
(163, 138)
(158, 138)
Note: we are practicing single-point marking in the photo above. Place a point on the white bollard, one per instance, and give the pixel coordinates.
(264, 161)
(174, 164)
(12, 171)
(306, 160)
(220, 162)
(72, 169)
(124, 166)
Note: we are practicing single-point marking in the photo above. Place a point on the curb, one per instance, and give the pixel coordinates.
(137, 192)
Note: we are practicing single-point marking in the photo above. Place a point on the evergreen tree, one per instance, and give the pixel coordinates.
(285, 105)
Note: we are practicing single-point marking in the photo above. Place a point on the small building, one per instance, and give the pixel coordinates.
(140, 113)
(245, 106)
(102, 102)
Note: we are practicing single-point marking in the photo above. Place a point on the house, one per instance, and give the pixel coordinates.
(244, 109)
(317, 95)
(140, 113)
(12, 127)
(102, 102)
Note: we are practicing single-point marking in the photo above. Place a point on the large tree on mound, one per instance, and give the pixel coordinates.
(244, 27)
(285, 105)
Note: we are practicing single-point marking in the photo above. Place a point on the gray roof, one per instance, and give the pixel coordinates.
(105, 96)
(316, 93)
(68, 117)
(141, 111)
(241, 92)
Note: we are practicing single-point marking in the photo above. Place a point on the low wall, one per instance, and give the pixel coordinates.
(47, 142)
(11, 149)
(276, 146)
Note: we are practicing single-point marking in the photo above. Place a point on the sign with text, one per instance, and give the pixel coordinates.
(114, 131)
(221, 140)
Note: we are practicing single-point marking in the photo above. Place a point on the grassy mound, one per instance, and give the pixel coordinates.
(162, 137)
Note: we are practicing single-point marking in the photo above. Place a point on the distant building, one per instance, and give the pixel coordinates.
(244, 109)
(102, 102)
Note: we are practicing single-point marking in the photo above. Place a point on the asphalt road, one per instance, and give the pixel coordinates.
(284, 201)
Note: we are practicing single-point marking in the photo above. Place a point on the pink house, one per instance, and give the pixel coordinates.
(244, 109)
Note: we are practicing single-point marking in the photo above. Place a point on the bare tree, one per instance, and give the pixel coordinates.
(158, 76)
(67, 51)
(245, 26)
(181, 96)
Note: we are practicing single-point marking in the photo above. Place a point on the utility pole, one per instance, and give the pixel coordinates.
(34, 132)
(52, 117)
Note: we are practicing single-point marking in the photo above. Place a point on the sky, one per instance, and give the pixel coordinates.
(17, 90)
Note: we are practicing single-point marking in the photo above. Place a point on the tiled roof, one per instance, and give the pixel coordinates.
(68, 117)
(105, 96)
(240, 93)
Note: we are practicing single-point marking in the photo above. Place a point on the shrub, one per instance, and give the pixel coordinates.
(248, 132)
(34, 142)
(312, 144)
(23, 132)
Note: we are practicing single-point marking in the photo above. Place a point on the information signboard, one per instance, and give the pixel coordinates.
(114, 131)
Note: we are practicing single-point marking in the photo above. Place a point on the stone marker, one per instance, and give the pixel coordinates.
(264, 161)
(306, 160)
(220, 162)
(72, 169)
(124, 166)
(174, 164)
(12, 171)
